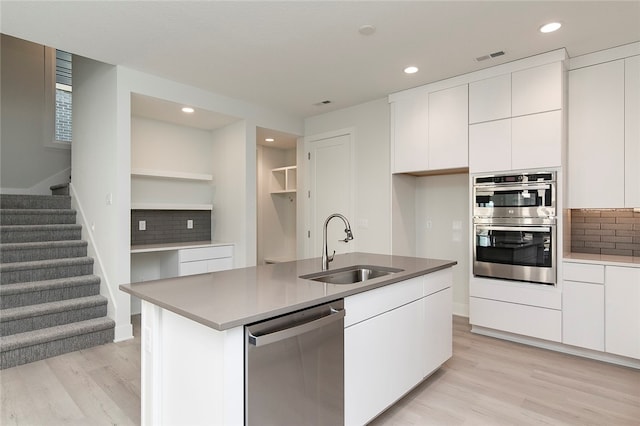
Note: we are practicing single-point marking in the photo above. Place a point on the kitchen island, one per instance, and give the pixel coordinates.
(193, 333)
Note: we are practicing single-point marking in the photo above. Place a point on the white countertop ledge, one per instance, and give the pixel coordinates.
(604, 259)
(236, 297)
(148, 248)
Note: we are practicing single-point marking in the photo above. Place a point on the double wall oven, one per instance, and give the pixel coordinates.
(514, 224)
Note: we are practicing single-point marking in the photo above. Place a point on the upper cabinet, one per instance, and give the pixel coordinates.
(429, 130)
(604, 135)
(516, 120)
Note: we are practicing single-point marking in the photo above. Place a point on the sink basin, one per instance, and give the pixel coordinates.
(351, 274)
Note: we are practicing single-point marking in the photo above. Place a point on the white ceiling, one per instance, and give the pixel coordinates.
(291, 55)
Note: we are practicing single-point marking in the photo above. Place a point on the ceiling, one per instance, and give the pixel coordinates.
(292, 55)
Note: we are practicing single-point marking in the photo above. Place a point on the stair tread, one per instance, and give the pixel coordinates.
(37, 211)
(38, 227)
(42, 244)
(47, 263)
(6, 289)
(11, 314)
(58, 332)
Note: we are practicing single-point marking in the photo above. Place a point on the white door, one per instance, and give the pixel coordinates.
(330, 186)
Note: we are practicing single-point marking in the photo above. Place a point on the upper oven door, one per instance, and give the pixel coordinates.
(533, 199)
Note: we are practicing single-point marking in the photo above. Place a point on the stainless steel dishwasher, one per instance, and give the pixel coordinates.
(294, 368)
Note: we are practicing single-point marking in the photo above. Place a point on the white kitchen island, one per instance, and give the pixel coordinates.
(397, 332)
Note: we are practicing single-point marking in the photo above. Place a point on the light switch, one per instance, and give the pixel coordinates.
(142, 225)
(190, 224)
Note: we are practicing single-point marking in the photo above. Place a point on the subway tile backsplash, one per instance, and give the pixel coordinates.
(610, 232)
(170, 226)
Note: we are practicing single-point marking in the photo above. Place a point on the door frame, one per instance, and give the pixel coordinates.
(309, 251)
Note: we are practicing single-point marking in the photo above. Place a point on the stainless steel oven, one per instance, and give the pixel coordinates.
(514, 227)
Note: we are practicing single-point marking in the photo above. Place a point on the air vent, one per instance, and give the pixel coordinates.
(489, 56)
(322, 103)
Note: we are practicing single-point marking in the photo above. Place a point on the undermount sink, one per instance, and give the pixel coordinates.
(351, 274)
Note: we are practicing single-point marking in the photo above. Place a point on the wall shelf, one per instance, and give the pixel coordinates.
(168, 206)
(283, 180)
(163, 174)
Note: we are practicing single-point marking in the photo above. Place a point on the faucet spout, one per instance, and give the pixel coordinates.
(325, 251)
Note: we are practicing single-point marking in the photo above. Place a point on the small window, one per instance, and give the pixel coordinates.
(63, 96)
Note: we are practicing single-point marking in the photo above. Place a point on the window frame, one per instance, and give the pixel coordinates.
(49, 125)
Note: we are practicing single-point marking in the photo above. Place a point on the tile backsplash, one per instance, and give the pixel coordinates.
(610, 232)
(170, 226)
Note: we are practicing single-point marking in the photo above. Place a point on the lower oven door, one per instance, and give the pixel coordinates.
(521, 253)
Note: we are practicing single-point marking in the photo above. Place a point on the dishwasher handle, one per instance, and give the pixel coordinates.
(265, 339)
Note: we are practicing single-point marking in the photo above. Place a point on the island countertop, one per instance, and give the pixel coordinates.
(227, 299)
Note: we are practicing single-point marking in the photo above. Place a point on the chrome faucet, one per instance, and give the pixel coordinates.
(325, 251)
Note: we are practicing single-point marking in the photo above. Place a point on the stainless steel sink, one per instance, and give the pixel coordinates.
(351, 274)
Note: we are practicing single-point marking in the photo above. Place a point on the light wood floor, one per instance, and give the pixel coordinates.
(487, 382)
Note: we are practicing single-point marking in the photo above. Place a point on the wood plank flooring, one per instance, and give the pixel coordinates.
(487, 382)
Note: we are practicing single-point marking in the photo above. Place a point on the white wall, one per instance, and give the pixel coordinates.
(370, 120)
(26, 165)
(442, 228)
(100, 181)
(276, 212)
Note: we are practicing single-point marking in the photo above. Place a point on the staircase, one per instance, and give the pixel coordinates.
(50, 300)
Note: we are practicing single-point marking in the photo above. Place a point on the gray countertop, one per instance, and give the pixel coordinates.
(227, 299)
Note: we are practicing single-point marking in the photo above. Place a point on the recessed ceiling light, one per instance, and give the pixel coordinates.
(550, 27)
(269, 140)
(188, 110)
(411, 70)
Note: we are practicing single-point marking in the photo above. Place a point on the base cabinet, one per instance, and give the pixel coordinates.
(397, 335)
(622, 311)
(203, 260)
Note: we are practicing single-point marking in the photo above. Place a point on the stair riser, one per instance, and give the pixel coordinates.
(52, 319)
(37, 219)
(34, 202)
(49, 295)
(12, 358)
(40, 235)
(42, 274)
(31, 254)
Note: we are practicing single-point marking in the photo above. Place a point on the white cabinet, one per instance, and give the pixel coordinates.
(430, 130)
(537, 89)
(409, 120)
(206, 259)
(448, 146)
(583, 306)
(490, 99)
(622, 311)
(632, 132)
(516, 120)
(395, 336)
(596, 136)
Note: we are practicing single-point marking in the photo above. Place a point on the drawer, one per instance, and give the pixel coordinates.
(583, 272)
(436, 281)
(366, 305)
(203, 253)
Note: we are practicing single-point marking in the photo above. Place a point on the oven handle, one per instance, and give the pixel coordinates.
(495, 188)
(515, 228)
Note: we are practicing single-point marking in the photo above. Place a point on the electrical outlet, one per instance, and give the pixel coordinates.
(142, 225)
(189, 223)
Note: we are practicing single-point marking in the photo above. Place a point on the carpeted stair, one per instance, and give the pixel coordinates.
(50, 300)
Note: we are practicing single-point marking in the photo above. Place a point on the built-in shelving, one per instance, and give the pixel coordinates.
(164, 174)
(169, 206)
(283, 180)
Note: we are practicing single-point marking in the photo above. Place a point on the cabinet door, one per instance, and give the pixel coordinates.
(222, 264)
(632, 132)
(448, 146)
(192, 268)
(536, 140)
(596, 136)
(490, 99)
(537, 89)
(409, 120)
(622, 311)
(490, 146)
(382, 361)
(438, 311)
(583, 315)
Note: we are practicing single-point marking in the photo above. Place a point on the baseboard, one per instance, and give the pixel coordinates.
(461, 309)
(557, 347)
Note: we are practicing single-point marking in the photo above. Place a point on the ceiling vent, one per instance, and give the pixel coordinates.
(489, 56)
(321, 103)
